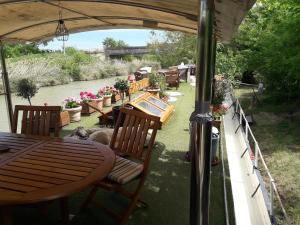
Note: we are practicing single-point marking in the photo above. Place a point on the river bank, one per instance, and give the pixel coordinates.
(53, 95)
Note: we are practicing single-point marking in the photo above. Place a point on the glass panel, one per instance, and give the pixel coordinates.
(158, 102)
(150, 108)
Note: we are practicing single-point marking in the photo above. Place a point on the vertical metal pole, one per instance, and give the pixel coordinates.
(6, 86)
(201, 118)
(271, 198)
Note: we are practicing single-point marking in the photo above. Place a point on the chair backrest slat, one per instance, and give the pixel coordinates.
(30, 125)
(36, 119)
(138, 135)
(24, 122)
(143, 139)
(128, 134)
(134, 133)
(131, 139)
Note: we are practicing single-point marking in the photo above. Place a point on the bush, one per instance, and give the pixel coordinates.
(72, 69)
(26, 89)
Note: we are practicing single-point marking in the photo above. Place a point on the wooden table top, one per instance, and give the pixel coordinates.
(38, 169)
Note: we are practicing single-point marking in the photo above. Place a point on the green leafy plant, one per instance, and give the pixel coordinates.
(219, 92)
(72, 102)
(154, 80)
(121, 85)
(26, 89)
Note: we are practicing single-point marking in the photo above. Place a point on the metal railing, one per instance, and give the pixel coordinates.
(251, 143)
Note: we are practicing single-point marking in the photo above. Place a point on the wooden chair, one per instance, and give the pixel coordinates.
(172, 78)
(129, 142)
(36, 120)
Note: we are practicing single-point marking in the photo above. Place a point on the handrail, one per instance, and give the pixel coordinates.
(258, 156)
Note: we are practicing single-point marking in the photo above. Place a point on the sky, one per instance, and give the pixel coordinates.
(93, 39)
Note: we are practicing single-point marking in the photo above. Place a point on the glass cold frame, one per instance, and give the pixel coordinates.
(150, 108)
(158, 102)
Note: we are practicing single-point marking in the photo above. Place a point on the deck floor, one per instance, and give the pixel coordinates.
(167, 186)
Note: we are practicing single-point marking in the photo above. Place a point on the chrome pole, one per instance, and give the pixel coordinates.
(201, 118)
(6, 86)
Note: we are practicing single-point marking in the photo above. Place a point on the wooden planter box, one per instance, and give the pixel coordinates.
(86, 109)
(64, 120)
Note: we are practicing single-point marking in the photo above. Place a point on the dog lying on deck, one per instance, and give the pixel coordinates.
(101, 135)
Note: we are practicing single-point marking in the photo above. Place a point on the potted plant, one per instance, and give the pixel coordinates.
(26, 89)
(64, 118)
(115, 96)
(106, 92)
(122, 86)
(99, 101)
(154, 84)
(87, 99)
(219, 88)
(73, 107)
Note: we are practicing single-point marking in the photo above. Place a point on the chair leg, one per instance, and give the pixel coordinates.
(64, 211)
(89, 198)
(6, 216)
(132, 204)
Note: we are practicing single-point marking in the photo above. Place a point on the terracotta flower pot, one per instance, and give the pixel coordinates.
(107, 100)
(74, 113)
(99, 103)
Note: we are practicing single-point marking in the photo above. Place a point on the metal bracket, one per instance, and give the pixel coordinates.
(199, 117)
(255, 191)
(244, 153)
(237, 128)
(256, 168)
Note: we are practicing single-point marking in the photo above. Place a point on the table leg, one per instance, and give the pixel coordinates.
(6, 216)
(64, 207)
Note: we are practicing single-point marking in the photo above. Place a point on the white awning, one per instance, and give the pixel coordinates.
(36, 20)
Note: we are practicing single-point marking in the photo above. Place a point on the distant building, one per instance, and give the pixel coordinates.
(119, 52)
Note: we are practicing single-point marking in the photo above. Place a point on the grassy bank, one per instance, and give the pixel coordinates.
(277, 129)
(50, 69)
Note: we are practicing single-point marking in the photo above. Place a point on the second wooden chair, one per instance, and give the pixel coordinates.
(132, 160)
(36, 120)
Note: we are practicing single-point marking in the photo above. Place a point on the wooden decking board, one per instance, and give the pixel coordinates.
(76, 151)
(48, 169)
(16, 145)
(22, 181)
(55, 164)
(87, 144)
(42, 173)
(66, 162)
(32, 177)
(16, 187)
(63, 153)
(64, 157)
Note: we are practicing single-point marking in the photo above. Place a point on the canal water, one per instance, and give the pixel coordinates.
(53, 96)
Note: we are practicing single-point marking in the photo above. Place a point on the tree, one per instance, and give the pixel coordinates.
(26, 89)
(172, 48)
(16, 50)
(268, 43)
(112, 43)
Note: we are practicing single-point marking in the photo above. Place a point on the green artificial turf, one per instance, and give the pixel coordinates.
(167, 187)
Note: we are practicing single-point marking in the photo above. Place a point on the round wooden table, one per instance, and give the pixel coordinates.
(38, 169)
